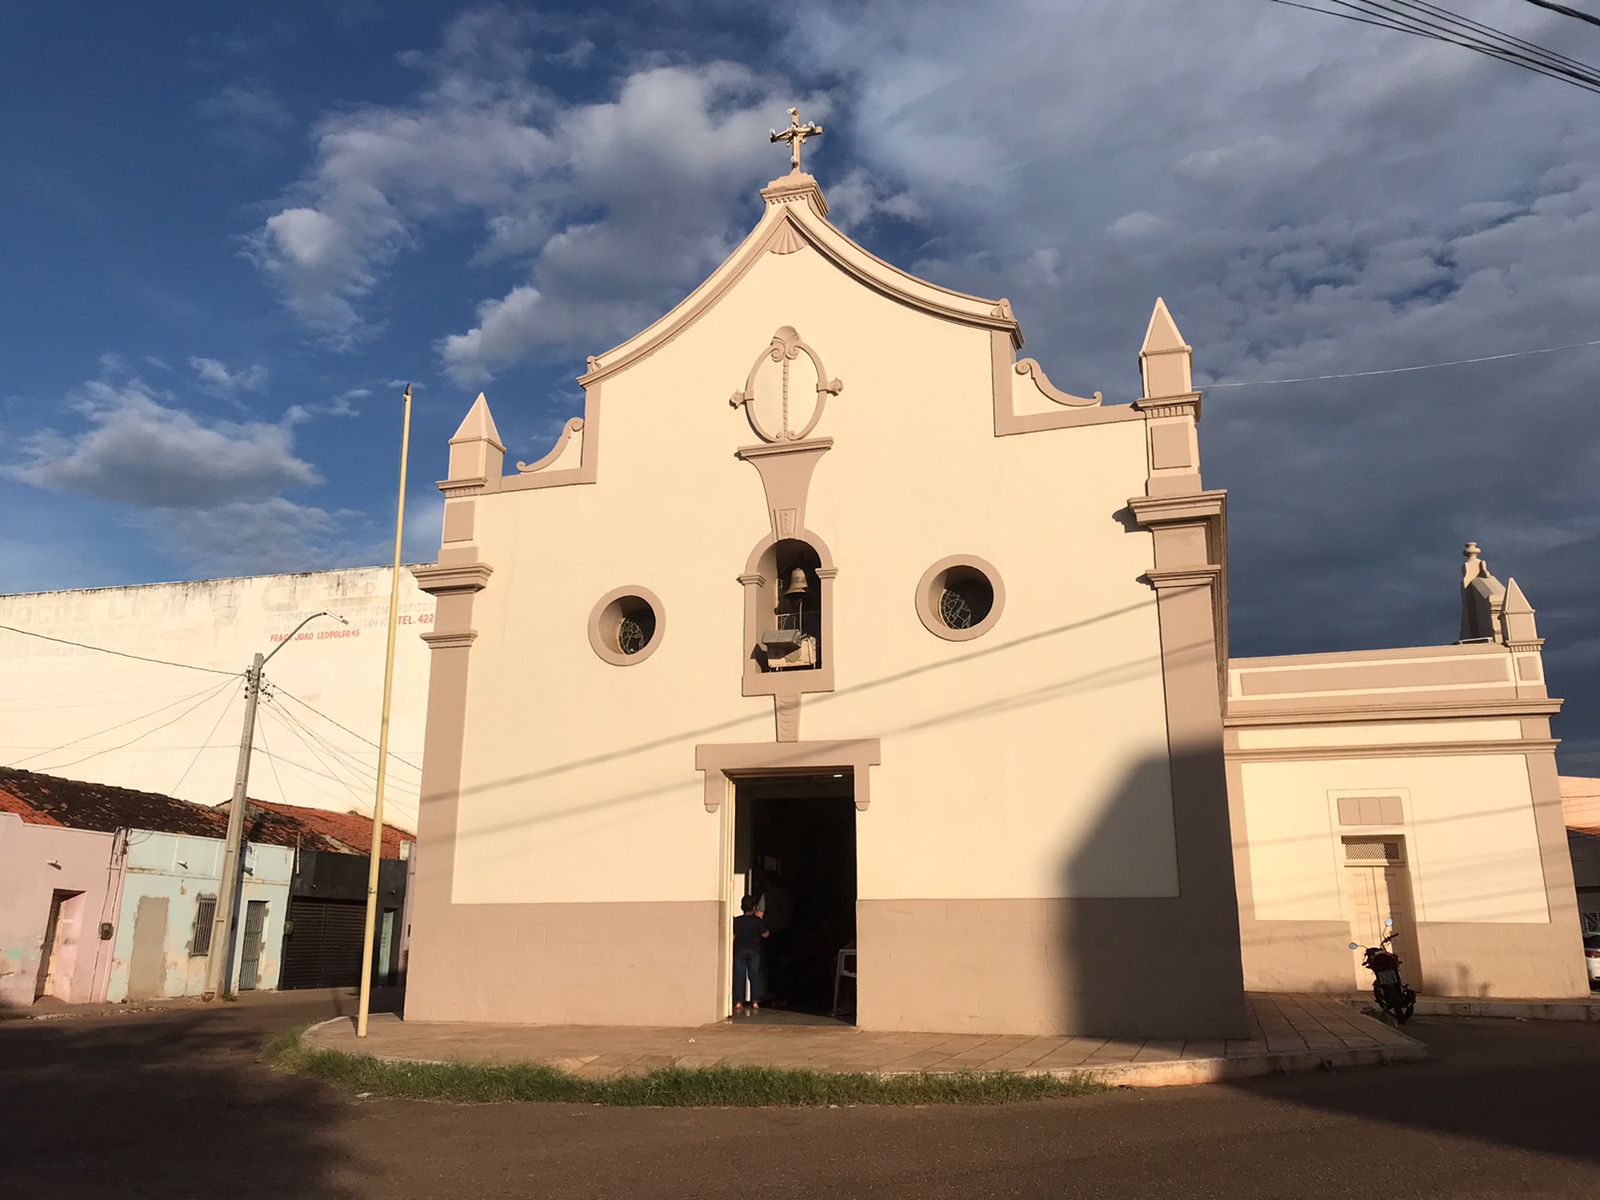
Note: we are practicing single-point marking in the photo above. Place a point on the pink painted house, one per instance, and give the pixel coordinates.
(60, 885)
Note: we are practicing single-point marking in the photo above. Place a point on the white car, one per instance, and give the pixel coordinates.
(1591, 956)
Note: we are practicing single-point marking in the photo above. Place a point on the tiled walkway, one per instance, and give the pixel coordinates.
(1287, 1033)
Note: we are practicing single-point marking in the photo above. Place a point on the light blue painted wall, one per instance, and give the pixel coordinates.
(183, 869)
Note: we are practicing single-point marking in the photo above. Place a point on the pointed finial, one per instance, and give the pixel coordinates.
(478, 425)
(1517, 620)
(1165, 359)
(1162, 332)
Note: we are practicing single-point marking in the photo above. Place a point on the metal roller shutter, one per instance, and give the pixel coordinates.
(324, 947)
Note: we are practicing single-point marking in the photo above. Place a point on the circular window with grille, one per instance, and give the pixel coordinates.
(960, 597)
(626, 626)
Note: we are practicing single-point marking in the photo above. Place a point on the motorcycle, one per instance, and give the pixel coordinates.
(1388, 989)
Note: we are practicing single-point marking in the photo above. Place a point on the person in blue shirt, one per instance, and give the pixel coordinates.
(748, 932)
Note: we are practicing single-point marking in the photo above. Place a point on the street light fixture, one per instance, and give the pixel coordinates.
(219, 959)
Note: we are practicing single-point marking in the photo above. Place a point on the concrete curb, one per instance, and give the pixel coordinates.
(1520, 1010)
(306, 1033)
(1514, 1010)
(1186, 1072)
(1171, 1073)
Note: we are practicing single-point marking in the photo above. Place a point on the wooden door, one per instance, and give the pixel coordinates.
(1366, 922)
(47, 948)
(1397, 897)
(1375, 893)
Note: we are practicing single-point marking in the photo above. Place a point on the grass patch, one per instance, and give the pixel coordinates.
(670, 1087)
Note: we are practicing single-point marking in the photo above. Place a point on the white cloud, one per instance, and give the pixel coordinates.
(218, 378)
(857, 198)
(505, 329)
(1135, 225)
(252, 537)
(237, 102)
(142, 451)
(481, 140)
(208, 494)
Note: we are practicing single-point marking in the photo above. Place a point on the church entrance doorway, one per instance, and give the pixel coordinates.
(794, 843)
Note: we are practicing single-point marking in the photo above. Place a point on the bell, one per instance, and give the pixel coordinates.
(797, 583)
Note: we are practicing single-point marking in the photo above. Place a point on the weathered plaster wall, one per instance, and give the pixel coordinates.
(51, 694)
(35, 861)
(180, 870)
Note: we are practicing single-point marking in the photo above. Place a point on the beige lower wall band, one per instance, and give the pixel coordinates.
(1105, 967)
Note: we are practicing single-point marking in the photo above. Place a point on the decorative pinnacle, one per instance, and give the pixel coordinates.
(795, 135)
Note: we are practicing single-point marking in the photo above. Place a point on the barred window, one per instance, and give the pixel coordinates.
(205, 912)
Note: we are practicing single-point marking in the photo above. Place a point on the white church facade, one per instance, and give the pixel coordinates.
(832, 596)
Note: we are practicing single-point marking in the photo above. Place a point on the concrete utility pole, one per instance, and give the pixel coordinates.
(219, 959)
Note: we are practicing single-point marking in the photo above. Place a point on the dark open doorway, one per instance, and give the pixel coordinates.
(795, 850)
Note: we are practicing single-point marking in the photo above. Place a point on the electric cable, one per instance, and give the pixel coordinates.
(327, 772)
(1457, 32)
(205, 744)
(1455, 362)
(109, 728)
(272, 761)
(1565, 11)
(119, 653)
(367, 776)
(107, 750)
(290, 695)
(1469, 27)
(303, 732)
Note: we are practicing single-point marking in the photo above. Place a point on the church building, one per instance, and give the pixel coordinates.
(832, 597)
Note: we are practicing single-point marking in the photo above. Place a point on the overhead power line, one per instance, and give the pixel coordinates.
(1432, 21)
(1455, 362)
(205, 744)
(203, 695)
(1565, 11)
(170, 721)
(343, 762)
(282, 691)
(119, 653)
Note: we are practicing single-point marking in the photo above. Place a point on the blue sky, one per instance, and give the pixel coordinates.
(232, 231)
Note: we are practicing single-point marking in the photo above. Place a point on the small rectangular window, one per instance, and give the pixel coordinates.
(205, 912)
(1363, 851)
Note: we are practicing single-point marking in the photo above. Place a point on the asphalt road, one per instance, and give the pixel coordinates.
(175, 1104)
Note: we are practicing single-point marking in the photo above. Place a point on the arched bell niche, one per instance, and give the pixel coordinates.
(788, 617)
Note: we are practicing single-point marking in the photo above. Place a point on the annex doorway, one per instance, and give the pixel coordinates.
(794, 841)
(1377, 885)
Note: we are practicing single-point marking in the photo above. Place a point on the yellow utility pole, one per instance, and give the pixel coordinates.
(383, 731)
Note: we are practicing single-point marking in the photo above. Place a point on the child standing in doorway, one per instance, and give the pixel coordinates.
(748, 931)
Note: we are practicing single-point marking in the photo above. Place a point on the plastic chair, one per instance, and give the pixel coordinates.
(841, 972)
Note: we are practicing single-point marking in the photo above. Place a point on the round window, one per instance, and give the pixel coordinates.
(626, 625)
(960, 597)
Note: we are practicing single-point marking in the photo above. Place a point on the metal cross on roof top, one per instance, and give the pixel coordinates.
(795, 135)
